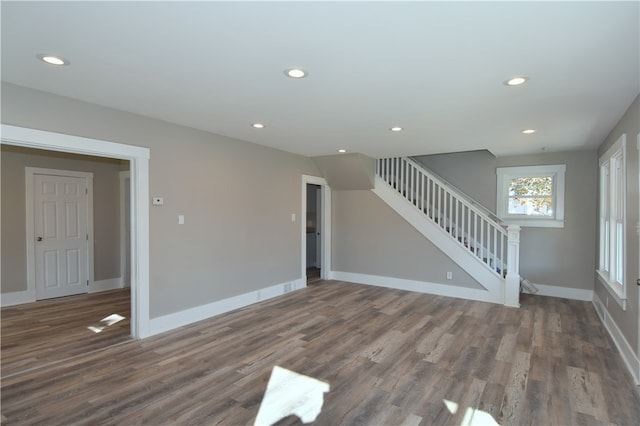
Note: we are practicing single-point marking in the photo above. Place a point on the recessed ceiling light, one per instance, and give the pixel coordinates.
(295, 73)
(342, 150)
(396, 129)
(258, 126)
(528, 131)
(516, 81)
(53, 60)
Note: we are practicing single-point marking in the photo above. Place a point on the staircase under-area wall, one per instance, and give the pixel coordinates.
(463, 230)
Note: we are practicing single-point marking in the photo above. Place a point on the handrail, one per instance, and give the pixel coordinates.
(459, 192)
(469, 225)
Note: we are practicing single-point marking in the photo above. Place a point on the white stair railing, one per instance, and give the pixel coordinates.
(463, 221)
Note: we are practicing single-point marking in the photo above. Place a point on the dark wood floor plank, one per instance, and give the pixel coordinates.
(389, 357)
(40, 333)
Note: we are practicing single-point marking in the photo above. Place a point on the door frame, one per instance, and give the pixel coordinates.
(638, 276)
(139, 161)
(30, 173)
(325, 227)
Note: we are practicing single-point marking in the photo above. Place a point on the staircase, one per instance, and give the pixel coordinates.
(466, 232)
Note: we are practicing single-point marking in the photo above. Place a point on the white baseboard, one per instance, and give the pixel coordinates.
(104, 285)
(417, 286)
(564, 292)
(628, 354)
(199, 313)
(17, 298)
(27, 296)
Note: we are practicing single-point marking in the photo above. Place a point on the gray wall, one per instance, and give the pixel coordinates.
(563, 256)
(627, 321)
(462, 169)
(370, 238)
(347, 171)
(106, 208)
(237, 199)
(560, 257)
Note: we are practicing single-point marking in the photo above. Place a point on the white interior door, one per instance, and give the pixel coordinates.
(60, 215)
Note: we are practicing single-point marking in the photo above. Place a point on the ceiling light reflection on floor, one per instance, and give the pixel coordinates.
(105, 322)
(112, 319)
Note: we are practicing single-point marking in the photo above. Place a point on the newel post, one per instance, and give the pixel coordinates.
(512, 284)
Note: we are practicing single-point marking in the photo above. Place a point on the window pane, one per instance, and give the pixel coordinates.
(538, 206)
(619, 271)
(531, 186)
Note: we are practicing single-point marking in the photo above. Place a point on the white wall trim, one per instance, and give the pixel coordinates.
(199, 313)
(504, 176)
(17, 298)
(417, 286)
(564, 292)
(139, 158)
(325, 235)
(104, 285)
(626, 351)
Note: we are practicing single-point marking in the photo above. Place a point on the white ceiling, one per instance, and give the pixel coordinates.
(434, 68)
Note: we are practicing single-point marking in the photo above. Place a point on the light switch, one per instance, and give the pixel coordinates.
(293, 217)
(180, 219)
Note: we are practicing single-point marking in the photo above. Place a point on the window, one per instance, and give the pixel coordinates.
(531, 196)
(611, 256)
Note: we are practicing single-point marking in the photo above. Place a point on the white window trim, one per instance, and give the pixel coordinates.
(618, 291)
(505, 174)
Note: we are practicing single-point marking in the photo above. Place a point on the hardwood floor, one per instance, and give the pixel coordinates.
(313, 275)
(390, 357)
(38, 334)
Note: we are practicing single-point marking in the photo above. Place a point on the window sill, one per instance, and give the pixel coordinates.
(620, 299)
(534, 223)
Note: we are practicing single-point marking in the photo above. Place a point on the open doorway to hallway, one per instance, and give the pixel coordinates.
(313, 233)
(315, 221)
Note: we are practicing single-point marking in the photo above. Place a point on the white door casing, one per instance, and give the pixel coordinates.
(318, 259)
(61, 218)
(638, 230)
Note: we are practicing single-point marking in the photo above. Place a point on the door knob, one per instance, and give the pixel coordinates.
(39, 239)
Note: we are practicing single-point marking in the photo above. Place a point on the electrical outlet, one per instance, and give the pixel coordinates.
(449, 275)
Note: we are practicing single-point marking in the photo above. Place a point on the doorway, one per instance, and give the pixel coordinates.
(139, 243)
(316, 229)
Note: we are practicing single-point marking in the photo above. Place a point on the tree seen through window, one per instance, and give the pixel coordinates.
(531, 196)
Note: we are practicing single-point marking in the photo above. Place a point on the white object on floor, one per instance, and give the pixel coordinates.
(291, 393)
